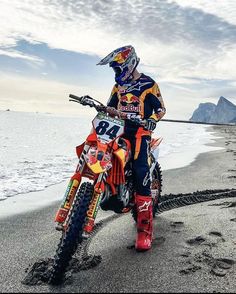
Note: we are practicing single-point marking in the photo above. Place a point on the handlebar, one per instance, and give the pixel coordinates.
(87, 100)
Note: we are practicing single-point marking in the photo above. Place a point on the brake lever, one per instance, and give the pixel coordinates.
(74, 100)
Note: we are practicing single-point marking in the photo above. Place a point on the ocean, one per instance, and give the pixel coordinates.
(38, 150)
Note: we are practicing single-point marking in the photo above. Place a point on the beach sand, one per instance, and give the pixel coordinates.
(194, 249)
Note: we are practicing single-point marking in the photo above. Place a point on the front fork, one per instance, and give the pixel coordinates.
(99, 189)
(70, 193)
(68, 199)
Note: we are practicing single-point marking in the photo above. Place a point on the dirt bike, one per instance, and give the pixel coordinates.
(104, 160)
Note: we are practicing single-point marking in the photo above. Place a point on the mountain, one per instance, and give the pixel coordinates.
(223, 112)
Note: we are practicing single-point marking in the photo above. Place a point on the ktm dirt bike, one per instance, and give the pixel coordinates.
(104, 160)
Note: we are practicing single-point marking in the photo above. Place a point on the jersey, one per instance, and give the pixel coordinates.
(142, 98)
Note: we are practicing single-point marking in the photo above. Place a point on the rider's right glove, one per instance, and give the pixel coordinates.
(150, 124)
(84, 99)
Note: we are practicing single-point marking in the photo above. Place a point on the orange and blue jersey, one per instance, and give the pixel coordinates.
(142, 98)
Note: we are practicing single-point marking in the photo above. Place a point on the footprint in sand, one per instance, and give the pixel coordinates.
(177, 226)
(221, 266)
(159, 240)
(218, 267)
(186, 254)
(197, 258)
(191, 269)
(232, 204)
(196, 241)
(215, 234)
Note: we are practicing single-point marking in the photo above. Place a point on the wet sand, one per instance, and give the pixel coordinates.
(194, 248)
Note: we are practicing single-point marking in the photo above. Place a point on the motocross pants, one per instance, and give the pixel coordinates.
(140, 165)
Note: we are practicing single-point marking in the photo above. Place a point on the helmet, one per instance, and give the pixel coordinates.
(123, 61)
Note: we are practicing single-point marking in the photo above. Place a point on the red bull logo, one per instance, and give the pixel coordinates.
(122, 56)
(129, 103)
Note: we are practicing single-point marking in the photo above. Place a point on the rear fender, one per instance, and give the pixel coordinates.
(155, 147)
(155, 142)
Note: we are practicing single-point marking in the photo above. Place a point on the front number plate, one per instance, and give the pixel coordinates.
(107, 128)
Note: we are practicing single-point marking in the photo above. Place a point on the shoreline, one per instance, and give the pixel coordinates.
(33, 161)
(36, 200)
(29, 237)
(222, 176)
(183, 158)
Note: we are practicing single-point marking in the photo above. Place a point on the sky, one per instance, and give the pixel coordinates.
(50, 48)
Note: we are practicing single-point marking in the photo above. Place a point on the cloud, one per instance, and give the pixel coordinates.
(223, 9)
(180, 40)
(186, 45)
(18, 54)
(32, 94)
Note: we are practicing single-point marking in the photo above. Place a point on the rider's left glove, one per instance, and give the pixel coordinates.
(150, 124)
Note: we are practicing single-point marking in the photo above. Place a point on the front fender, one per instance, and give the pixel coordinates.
(96, 168)
(97, 160)
(79, 149)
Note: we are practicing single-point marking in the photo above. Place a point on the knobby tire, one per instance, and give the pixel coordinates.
(73, 235)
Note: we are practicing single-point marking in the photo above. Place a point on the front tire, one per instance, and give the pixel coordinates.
(73, 235)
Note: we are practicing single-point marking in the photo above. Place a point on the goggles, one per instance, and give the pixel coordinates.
(117, 70)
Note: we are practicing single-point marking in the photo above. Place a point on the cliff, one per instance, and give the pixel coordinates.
(223, 112)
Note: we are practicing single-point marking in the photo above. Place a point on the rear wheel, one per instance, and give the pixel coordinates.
(155, 185)
(73, 235)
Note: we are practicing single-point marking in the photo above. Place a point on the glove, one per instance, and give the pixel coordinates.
(100, 108)
(150, 124)
(84, 99)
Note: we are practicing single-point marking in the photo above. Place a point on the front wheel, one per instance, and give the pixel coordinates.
(156, 184)
(73, 235)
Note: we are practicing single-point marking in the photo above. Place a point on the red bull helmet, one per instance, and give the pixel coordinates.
(123, 61)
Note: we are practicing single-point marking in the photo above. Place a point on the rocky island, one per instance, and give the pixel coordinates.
(223, 112)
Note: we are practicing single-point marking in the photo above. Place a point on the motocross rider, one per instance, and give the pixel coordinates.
(137, 94)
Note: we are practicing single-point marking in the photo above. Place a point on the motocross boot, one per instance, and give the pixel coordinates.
(144, 223)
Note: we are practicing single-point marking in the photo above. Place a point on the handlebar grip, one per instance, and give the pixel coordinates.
(74, 97)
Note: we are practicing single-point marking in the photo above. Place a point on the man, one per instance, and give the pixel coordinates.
(137, 95)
